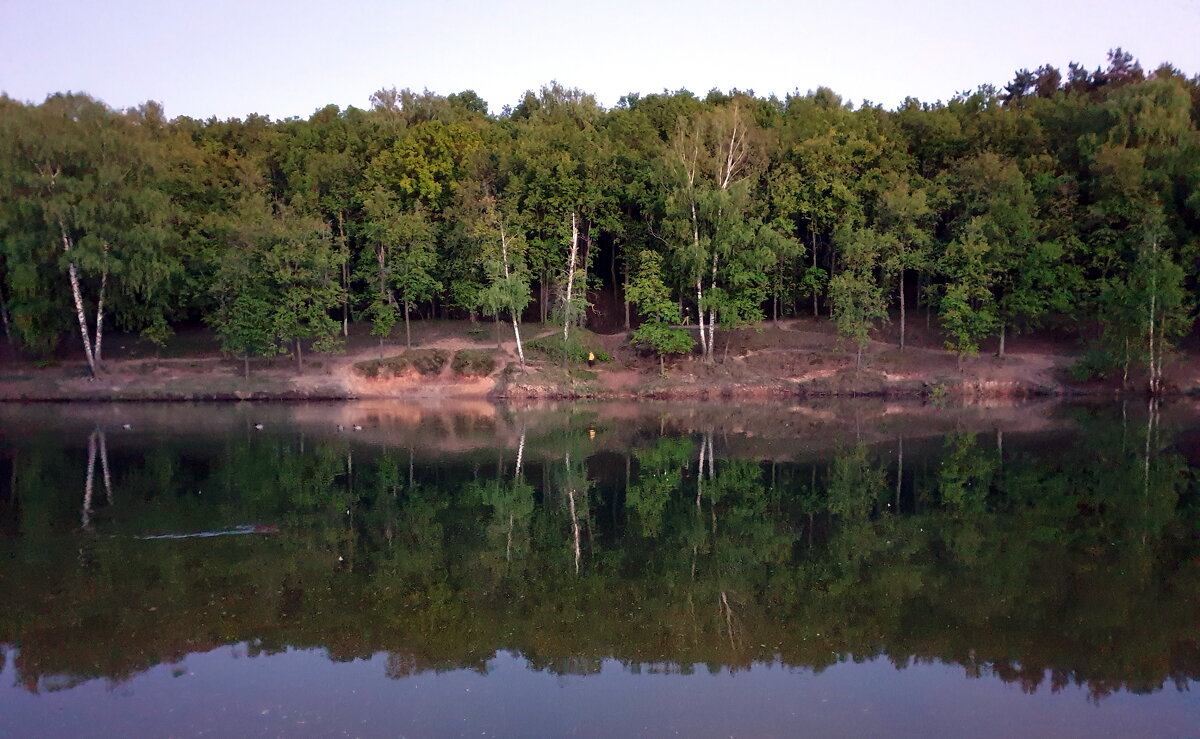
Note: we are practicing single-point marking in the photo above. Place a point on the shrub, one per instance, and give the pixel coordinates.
(578, 346)
(473, 362)
(427, 361)
(1094, 364)
(423, 361)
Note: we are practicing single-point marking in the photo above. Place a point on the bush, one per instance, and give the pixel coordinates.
(1093, 365)
(426, 361)
(473, 362)
(578, 346)
(423, 361)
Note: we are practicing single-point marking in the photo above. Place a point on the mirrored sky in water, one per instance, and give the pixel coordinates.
(304, 693)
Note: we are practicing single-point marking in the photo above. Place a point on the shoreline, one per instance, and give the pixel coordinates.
(931, 392)
(770, 362)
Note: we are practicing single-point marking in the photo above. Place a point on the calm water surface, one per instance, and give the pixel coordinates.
(853, 569)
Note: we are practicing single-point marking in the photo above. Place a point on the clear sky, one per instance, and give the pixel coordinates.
(289, 57)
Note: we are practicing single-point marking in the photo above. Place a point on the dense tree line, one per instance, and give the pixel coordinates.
(1070, 201)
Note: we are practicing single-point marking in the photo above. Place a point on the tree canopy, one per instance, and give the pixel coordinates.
(1057, 200)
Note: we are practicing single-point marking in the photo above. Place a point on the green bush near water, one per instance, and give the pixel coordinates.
(473, 362)
(425, 362)
(579, 344)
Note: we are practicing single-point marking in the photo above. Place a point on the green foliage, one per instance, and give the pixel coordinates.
(473, 363)
(659, 312)
(1012, 208)
(579, 345)
(856, 294)
(427, 362)
(275, 284)
(1094, 364)
(967, 306)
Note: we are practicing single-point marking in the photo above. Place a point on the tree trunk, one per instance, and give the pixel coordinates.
(624, 291)
(77, 294)
(1153, 388)
(100, 318)
(8, 328)
(512, 312)
(612, 268)
(574, 252)
(712, 314)
(542, 291)
(345, 275)
(902, 309)
(1125, 367)
(407, 329)
(299, 357)
(814, 264)
(1000, 353)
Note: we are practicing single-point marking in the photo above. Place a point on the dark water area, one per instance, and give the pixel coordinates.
(846, 569)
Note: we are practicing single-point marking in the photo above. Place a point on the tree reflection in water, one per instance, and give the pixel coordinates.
(1050, 558)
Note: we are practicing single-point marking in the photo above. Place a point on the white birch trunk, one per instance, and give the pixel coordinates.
(574, 252)
(574, 515)
(512, 312)
(85, 518)
(100, 318)
(104, 468)
(77, 294)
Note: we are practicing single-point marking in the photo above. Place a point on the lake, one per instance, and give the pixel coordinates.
(853, 568)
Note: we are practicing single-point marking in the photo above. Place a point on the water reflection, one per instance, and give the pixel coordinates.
(1047, 557)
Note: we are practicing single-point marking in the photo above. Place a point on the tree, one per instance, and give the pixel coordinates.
(275, 284)
(404, 257)
(710, 169)
(996, 199)
(967, 306)
(905, 216)
(855, 291)
(507, 276)
(658, 311)
(86, 189)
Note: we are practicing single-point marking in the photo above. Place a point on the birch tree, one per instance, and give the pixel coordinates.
(86, 186)
(711, 169)
(506, 274)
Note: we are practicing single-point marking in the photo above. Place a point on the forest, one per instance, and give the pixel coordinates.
(1067, 201)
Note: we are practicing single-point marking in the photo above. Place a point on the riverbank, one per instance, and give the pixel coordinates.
(794, 358)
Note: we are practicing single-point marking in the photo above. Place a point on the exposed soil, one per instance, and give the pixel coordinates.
(794, 357)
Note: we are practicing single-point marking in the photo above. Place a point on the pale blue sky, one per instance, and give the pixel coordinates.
(289, 57)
